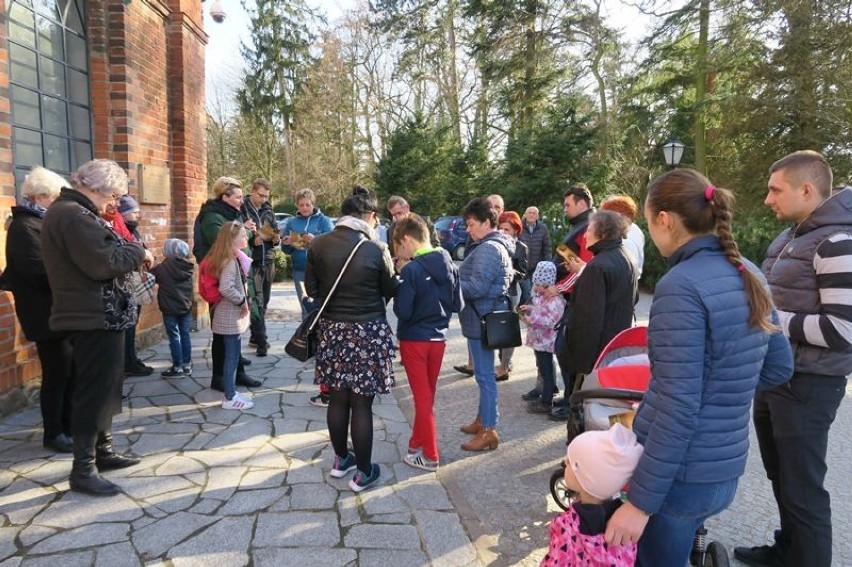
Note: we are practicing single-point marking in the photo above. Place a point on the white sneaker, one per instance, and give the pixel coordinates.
(237, 403)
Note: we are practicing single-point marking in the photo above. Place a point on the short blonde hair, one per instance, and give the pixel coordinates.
(101, 175)
(224, 186)
(305, 194)
(41, 181)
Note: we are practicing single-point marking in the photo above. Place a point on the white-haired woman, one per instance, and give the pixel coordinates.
(87, 266)
(26, 279)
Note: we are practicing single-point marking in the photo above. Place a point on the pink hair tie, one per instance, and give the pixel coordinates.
(741, 267)
(708, 192)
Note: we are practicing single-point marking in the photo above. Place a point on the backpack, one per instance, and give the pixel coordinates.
(208, 286)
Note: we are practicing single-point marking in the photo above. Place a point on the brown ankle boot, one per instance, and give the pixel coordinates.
(485, 440)
(473, 427)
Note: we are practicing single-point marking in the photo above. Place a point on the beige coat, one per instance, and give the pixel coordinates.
(230, 316)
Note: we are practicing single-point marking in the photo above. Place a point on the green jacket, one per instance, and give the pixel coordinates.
(213, 214)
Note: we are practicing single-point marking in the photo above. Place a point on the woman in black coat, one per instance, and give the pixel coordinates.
(26, 278)
(603, 300)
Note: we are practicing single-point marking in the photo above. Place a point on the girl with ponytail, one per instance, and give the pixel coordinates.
(713, 339)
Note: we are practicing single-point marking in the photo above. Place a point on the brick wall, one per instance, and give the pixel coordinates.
(147, 91)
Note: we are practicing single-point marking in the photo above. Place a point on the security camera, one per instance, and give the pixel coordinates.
(217, 13)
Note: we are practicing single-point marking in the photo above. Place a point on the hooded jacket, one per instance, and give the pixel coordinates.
(706, 362)
(428, 294)
(213, 214)
(175, 279)
(368, 282)
(315, 224)
(805, 266)
(485, 276)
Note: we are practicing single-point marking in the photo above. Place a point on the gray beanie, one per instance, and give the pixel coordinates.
(544, 274)
(176, 248)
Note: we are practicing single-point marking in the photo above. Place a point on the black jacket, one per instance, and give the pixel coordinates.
(265, 252)
(87, 265)
(601, 304)
(520, 265)
(575, 239)
(26, 276)
(538, 242)
(175, 279)
(365, 287)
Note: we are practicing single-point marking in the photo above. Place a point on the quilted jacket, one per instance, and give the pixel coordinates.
(706, 362)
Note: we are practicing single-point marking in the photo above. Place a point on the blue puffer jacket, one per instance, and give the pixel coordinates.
(485, 275)
(706, 362)
(316, 224)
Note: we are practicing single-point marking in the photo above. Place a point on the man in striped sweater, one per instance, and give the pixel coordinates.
(809, 269)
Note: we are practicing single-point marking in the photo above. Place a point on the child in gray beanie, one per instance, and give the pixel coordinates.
(175, 276)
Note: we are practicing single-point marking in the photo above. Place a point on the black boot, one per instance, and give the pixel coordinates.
(107, 459)
(84, 477)
(247, 381)
(61, 443)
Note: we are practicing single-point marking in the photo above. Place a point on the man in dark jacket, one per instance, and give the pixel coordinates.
(400, 209)
(536, 236)
(809, 269)
(257, 208)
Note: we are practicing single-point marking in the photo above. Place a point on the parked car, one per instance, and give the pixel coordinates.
(452, 232)
(281, 218)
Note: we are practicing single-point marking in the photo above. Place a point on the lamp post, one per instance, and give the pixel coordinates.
(672, 152)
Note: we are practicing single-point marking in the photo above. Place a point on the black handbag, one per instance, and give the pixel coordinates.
(303, 344)
(501, 328)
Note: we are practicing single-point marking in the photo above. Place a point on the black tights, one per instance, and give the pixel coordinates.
(346, 403)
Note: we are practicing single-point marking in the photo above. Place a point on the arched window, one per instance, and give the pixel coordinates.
(49, 85)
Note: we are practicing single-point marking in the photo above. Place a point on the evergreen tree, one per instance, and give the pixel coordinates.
(276, 63)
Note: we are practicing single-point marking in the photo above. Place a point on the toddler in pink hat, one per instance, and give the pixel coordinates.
(597, 465)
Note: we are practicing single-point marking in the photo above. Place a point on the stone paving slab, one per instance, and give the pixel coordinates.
(230, 488)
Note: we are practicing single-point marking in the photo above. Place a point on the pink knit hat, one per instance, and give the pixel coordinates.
(603, 461)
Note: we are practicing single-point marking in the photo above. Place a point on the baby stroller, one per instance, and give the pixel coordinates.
(611, 393)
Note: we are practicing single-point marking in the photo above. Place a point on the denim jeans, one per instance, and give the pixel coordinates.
(483, 372)
(299, 284)
(232, 360)
(526, 290)
(547, 372)
(177, 331)
(668, 537)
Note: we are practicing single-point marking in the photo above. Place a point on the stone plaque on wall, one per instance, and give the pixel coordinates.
(155, 185)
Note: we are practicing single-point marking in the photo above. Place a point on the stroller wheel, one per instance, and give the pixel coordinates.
(562, 495)
(716, 555)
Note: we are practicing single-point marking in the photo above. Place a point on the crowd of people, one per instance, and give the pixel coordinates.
(723, 334)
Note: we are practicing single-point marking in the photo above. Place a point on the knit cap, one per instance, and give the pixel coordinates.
(544, 274)
(603, 461)
(127, 204)
(176, 248)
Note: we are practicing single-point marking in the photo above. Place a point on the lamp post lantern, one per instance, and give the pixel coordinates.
(672, 152)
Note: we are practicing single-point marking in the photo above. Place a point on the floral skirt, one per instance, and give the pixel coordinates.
(355, 356)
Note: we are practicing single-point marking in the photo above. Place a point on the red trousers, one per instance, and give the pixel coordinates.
(422, 361)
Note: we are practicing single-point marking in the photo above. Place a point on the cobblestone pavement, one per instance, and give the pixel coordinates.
(217, 487)
(502, 496)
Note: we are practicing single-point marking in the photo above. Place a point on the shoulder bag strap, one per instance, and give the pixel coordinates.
(337, 281)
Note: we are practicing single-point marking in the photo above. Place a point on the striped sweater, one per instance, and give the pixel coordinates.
(809, 269)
